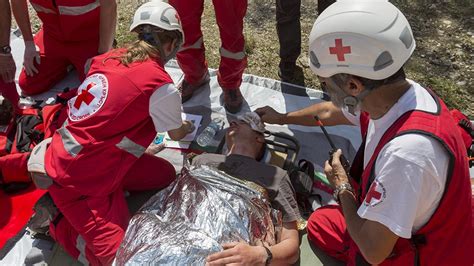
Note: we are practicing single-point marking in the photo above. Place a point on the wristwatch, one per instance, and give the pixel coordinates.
(269, 256)
(5, 49)
(340, 188)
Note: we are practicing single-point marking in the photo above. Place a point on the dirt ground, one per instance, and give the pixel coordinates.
(443, 59)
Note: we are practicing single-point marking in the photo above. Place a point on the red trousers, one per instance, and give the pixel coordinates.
(230, 19)
(56, 56)
(92, 228)
(13, 167)
(327, 231)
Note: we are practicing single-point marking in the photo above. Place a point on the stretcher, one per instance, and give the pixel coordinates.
(287, 144)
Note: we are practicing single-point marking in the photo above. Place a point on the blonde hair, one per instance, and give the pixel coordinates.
(140, 50)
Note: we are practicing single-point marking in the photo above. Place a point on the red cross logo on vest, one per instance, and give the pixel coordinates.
(340, 50)
(85, 96)
(93, 93)
(375, 195)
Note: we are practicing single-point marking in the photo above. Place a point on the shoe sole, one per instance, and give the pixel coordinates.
(196, 88)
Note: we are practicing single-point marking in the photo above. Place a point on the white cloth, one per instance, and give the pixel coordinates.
(410, 171)
(166, 108)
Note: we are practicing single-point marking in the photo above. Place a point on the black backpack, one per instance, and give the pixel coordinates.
(302, 179)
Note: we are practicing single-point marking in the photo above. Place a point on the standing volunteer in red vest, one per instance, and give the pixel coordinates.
(230, 19)
(125, 100)
(71, 33)
(412, 202)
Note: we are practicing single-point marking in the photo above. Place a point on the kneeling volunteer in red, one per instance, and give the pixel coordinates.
(126, 98)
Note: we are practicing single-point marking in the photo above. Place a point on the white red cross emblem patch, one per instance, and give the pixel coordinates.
(91, 96)
(375, 195)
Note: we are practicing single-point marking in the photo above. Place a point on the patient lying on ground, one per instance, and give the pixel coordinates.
(224, 209)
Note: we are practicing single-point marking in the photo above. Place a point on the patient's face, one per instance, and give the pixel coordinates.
(239, 131)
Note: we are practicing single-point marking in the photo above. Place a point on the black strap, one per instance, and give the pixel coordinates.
(466, 125)
(416, 241)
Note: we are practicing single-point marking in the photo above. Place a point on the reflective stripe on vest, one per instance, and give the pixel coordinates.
(42, 9)
(229, 54)
(81, 246)
(131, 147)
(78, 10)
(68, 10)
(196, 45)
(71, 145)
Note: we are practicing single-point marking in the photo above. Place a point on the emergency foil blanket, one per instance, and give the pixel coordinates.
(198, 212)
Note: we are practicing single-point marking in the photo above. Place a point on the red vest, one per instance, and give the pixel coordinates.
(69, 20)
(109, 125)
(446, 239)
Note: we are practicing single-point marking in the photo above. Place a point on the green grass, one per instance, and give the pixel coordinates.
(444, 32)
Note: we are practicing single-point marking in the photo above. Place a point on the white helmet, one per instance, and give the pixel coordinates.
(159, 14)
(370, 39)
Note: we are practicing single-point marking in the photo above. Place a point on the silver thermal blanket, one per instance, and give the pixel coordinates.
(189, 220)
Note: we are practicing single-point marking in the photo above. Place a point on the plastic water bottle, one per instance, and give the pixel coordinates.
(207, 135)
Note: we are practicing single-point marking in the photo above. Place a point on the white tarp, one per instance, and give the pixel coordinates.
(207, 102)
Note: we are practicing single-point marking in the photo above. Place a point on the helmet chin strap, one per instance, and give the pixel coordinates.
(353, 101)
(158, 45)
(350, 101)
(150, 36)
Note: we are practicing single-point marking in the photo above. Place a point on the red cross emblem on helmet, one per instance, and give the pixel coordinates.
(340, 50)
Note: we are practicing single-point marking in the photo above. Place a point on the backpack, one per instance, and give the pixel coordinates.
(29, 129)
(302, 180)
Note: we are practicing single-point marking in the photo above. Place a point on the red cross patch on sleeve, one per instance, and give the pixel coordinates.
(375, 195)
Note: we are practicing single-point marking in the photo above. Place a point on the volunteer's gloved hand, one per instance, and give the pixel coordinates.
(238, 254)
(269, 115)
(7, 68)
(31, 57)
(334, 171)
